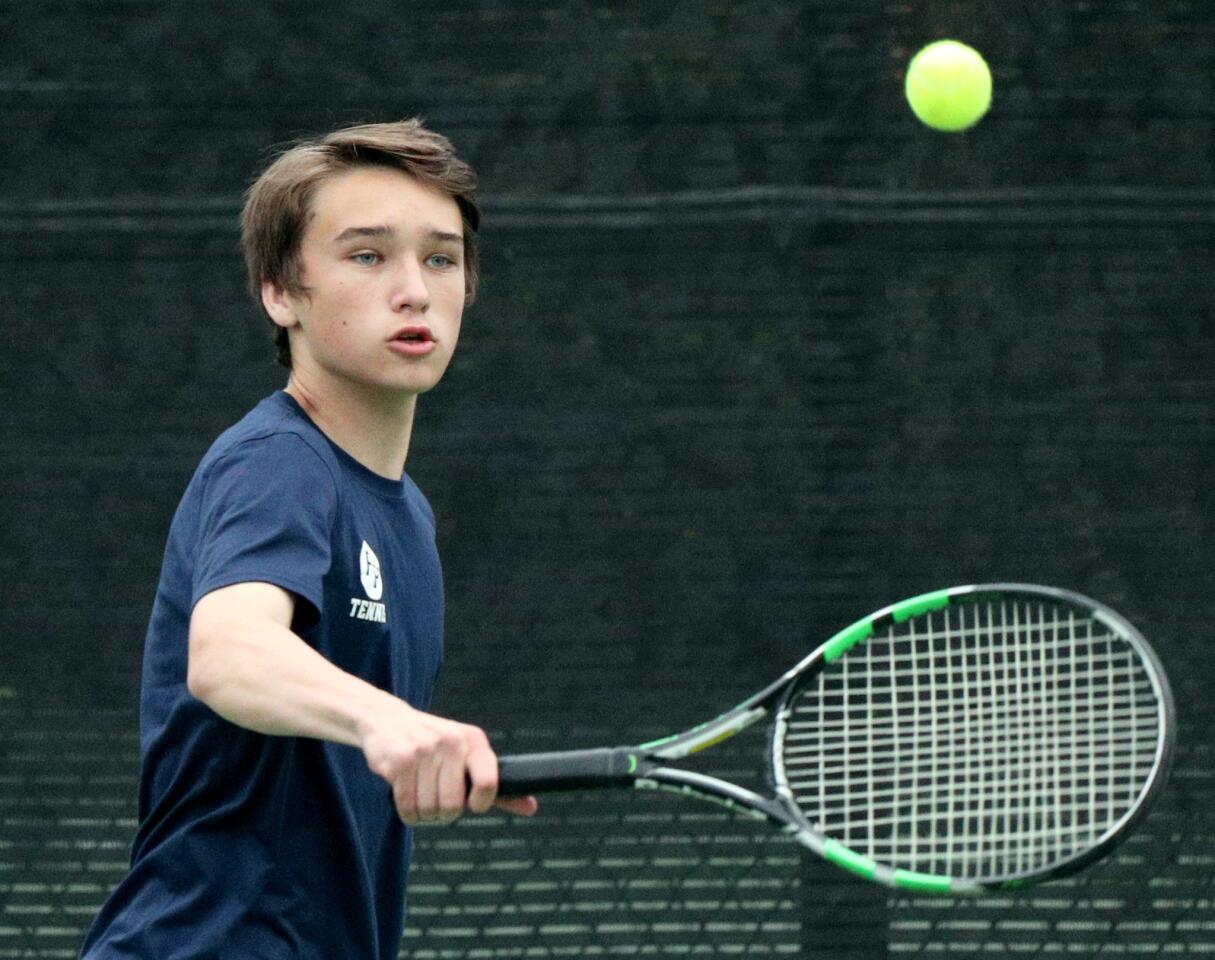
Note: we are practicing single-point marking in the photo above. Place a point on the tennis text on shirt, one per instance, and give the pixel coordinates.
(369, 608)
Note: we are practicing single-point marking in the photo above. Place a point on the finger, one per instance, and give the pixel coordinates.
(482, 777)
(522, 806)
(427, 788)
(405, 795)
(450, 786)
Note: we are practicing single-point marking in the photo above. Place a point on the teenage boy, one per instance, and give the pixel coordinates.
(296, 633)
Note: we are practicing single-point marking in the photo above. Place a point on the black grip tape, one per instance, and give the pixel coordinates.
(527, 773)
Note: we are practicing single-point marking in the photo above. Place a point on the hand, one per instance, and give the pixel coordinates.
(437, 768)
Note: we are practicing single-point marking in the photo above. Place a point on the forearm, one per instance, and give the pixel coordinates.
(247, 665)
(265, 678)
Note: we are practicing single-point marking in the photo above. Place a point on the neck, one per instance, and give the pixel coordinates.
(374, 428)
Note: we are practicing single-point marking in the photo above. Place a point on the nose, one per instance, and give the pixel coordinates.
(409, 290)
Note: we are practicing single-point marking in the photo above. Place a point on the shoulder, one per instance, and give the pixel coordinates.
(417, 500)
(271, 447)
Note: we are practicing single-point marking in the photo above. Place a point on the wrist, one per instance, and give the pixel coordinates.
(376, 710)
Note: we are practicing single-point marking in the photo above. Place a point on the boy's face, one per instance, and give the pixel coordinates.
(383, 258)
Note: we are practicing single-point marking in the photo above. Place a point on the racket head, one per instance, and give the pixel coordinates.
(976, 738)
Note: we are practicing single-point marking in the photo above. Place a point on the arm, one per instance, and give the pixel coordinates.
(247, 665)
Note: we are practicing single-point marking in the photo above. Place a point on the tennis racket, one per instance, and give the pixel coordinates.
(971, 739)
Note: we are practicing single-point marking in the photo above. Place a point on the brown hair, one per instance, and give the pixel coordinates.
(278, 205)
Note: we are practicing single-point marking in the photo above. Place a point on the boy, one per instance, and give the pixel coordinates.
(297, 629)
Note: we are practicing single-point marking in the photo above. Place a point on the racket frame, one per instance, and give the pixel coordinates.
(643, 766)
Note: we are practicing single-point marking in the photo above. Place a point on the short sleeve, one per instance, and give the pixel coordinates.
(266, 514)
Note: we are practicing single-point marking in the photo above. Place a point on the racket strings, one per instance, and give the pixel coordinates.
(984, 740)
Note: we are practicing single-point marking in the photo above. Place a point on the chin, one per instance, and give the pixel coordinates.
(414, 385)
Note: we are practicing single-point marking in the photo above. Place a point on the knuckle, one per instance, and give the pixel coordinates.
(393, 765)
(383, 767)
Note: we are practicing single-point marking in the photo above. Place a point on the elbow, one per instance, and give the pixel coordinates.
(201, 678)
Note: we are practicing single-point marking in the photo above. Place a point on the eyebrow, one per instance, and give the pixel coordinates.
(385, 231)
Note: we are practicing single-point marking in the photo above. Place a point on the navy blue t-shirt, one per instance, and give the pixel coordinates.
(256, 847)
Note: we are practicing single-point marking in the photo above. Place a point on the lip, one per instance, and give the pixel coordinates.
(419, 347)
(415, 330)
(412, 348)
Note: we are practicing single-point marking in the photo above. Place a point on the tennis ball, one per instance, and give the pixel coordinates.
(949, 86)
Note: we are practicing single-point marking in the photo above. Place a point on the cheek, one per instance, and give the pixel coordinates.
(457, 317)
(340, 307)
(454, 299)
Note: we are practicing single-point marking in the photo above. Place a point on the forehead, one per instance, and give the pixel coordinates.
(380, 195)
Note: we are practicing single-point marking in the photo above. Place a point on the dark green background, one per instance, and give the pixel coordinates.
(755, 354)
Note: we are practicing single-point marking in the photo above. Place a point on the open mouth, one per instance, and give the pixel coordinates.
(413, 341)
(414, 335)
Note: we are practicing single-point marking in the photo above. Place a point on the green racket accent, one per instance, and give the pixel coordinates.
(924, 603)
(862, 866)
(846, 639)
(841, 856)
(849, 637)
(922, 882)
(632, 763)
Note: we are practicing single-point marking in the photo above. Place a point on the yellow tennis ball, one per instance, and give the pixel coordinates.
(949, 86)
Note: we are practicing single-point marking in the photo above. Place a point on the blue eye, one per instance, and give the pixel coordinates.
(360, 258)
(440, 261)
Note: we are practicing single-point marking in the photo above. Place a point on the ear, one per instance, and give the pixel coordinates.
(279, 304)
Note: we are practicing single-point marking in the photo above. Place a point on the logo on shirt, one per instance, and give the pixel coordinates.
(373, 584)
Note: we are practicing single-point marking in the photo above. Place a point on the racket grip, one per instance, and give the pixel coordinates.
(522, 774)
